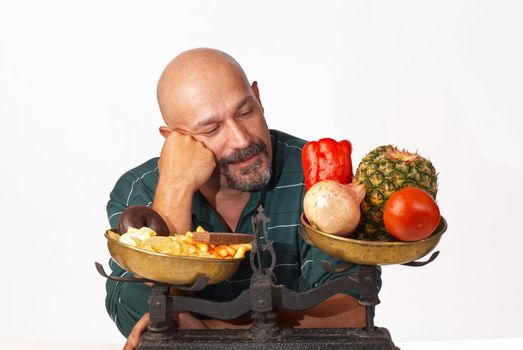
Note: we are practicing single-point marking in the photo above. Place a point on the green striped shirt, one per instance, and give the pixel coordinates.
(297, 265)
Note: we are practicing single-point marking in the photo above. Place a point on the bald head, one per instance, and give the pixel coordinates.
(194, 80)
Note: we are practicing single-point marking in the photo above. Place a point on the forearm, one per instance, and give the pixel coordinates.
(174, 203)
(241, 322)
(338, 311)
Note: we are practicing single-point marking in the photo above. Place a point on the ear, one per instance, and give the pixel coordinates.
(165, 131)
(254, 87)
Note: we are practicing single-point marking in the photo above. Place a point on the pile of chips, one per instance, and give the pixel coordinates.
(181, 244)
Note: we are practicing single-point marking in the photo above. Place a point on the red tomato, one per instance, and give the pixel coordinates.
(411, 214)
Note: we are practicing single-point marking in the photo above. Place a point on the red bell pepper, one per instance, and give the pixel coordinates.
(327, 159)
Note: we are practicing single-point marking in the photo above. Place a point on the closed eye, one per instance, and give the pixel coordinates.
(246, 113)
(211, 131)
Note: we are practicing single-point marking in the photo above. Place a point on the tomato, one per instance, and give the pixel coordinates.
(411, 214)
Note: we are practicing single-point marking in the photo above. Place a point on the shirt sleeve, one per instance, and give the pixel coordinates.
(136, 187)
(314, 275)
(125, 302)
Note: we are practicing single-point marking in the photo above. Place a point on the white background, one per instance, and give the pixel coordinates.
(78, 108)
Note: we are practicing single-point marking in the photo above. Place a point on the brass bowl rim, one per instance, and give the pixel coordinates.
(170, 256)
(442, 227)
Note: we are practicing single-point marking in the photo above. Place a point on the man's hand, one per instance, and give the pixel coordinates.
(185, 162)
(136, 332)
(180, 320)
(185, 165)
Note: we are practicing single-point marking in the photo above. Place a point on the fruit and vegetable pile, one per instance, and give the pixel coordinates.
(390, 198)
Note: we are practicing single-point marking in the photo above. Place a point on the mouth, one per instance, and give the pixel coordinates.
(248, 169)
(246, 162)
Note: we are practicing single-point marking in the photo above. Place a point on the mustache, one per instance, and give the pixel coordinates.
(244, 154)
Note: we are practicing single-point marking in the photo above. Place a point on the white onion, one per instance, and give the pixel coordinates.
(334, 208)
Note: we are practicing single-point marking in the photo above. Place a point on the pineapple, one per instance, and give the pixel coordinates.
(385, 170)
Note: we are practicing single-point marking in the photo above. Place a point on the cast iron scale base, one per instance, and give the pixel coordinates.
(262, 299)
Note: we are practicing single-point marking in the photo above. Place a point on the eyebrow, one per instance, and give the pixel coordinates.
(214, 120)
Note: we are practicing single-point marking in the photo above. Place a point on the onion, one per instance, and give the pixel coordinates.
(334, 208)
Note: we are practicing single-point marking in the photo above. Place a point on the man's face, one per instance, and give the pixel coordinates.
(247, 169)
(229, 121)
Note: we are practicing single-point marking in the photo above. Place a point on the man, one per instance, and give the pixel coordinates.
(218, 163)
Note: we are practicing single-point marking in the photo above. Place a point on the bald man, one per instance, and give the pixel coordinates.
(219, 162)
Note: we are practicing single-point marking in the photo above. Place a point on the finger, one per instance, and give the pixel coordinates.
(136, 332)
(179, 131)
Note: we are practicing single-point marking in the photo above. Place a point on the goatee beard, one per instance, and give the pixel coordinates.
(252, 177)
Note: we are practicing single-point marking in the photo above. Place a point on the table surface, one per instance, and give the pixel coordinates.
(474, 344)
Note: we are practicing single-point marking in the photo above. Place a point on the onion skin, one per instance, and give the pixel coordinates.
(334, 208)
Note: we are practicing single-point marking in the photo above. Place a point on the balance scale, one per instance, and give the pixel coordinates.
(261, 300)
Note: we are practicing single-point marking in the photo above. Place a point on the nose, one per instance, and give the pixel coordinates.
(238, 136)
